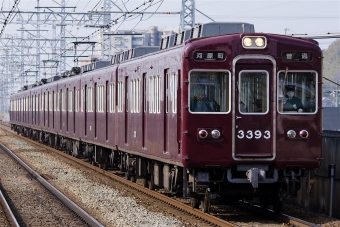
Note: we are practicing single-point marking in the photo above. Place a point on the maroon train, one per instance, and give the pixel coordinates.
(227, 116)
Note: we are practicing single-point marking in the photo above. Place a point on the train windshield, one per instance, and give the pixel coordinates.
(253, 92)
(297, 92)
(209, 91)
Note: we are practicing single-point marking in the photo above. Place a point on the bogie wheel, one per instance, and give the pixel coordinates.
(127, 176)
(144, 183)
(151, 183)
(194, 203)
(205, 204)
(133, 179)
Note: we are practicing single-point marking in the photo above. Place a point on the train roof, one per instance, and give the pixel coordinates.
(206, 30)
(202, 30)
(133, 53)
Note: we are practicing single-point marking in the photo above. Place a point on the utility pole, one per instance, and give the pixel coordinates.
(62, 64)
(187, 14)
(106, 40)
(37, 59)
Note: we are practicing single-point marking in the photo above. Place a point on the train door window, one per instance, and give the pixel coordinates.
(173, 94)
(209, 91)
(253, 92)
(167, 91)
(297, 92)
(132, 93)
(112, 97)
(144, 93)
(91, 99)
(136, 96)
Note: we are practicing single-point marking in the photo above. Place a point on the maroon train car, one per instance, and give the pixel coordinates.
(228, 113)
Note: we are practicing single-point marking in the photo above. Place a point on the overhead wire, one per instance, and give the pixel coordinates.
(112, 23)
(142, 19)
(154, 11)
(9, 16)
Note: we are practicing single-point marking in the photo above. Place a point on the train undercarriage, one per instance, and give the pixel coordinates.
(240, 182)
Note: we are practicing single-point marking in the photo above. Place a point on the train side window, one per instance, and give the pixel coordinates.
(297, 92)
(209, 91)
(253, 93)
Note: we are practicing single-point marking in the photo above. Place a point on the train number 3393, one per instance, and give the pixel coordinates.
(250, 134)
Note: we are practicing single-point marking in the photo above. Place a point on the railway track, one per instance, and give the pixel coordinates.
(32, 204)
(7, 217)
(219, 217)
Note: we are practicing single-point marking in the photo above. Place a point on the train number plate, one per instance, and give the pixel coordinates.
(241, 134)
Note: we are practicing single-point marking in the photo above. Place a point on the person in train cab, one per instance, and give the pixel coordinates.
(258, 105)
(201, 103)
(292, 103)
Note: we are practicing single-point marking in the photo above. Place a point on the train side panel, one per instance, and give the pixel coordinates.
(148, 123)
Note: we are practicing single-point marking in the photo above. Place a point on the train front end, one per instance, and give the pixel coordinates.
(251, 115)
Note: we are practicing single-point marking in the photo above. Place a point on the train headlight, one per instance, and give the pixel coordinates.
(254, 42)
(304, 134)
(247, 42)
(202, 134)
(259, 42)
(215, 134)
(291, 134)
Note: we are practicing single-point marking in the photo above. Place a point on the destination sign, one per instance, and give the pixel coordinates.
(297, 56)
(209, 55)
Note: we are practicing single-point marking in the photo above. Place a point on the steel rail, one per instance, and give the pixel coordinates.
(205, 216)
(209, 218)
(9, 214)
(283, 217)
(69, 203)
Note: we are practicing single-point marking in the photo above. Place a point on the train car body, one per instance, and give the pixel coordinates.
(229, 116)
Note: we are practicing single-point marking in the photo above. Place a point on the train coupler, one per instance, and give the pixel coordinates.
(254, 175)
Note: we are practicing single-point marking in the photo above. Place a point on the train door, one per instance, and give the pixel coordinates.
(85, 101)
(166, 110)
(48, 109)
(107, 106)
(95, 109)
(254, 123)
(126, 110)
(144, 109)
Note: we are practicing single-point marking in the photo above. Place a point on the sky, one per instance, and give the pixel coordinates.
(270, 16)
(313, 17)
